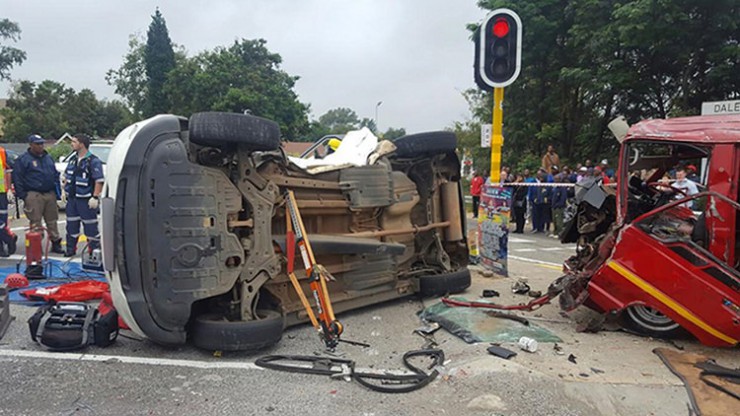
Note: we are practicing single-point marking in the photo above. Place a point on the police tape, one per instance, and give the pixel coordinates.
(545, 184)
(536, 184)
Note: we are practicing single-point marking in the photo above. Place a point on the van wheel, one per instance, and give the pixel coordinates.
(425, 143)
(443, 284)
(651, 322)
(216, 333)
(215, 129)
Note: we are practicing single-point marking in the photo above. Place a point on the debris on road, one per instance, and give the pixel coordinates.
(390, 381)
(475, 325)
(572, 358)
(501, 352)
(712, 389)
(528, 344)
(520, 287)
(558, 349)
(490, 293)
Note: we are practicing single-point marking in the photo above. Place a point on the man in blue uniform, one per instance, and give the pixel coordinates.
(36, 180)
(83, 184)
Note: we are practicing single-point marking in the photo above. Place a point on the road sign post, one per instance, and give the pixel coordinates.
(497, 138)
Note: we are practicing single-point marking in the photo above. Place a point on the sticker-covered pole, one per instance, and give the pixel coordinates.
(497, 138)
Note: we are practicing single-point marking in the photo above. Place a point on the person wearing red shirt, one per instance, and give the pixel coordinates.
(476, 185)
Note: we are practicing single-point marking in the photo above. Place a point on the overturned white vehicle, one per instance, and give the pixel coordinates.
(193, 226)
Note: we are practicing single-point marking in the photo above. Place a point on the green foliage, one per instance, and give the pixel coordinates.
(130, 78)
(51, 109)
(159, 60)
(340, 120)
(586, 61)
(61, 149)
(392, 134)
(243, 77)
(9, 56)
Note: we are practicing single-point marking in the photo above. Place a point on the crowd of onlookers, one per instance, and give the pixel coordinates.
(543, 206)
(542, 202)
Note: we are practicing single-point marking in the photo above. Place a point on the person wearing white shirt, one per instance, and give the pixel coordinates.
(684, 184)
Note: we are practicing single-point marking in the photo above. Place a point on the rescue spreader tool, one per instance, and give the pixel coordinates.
(323, 320)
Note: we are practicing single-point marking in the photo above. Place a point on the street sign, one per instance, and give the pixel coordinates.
(717, 108)
(485, 135)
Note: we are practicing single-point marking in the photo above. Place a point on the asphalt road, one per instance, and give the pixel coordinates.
(135, 376)
(534, 248)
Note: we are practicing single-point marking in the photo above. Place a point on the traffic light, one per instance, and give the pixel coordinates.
(498, 46)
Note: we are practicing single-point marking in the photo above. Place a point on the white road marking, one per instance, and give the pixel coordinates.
(554, 248)
(519, 240)
(528, 260)
(53, 256)
(524, 250)
(129, 360)
(16, 229)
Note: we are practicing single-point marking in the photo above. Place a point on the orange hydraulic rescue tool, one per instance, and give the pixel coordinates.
(329, 328)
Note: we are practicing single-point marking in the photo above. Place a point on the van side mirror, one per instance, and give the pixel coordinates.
(619, 128)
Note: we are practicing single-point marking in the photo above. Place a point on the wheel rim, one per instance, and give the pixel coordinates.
(650, 318)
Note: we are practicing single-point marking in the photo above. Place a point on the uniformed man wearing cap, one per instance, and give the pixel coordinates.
(36, 181)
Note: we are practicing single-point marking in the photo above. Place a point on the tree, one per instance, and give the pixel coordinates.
(9, 56)
(245, 77)
(586, 61)
(392, 134)
(159, 60)
(340, 120)
(51, 109)
(130, 78)
(370, 124)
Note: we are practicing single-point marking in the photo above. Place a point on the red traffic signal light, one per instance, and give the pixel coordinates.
(500, 28)
(498, 49)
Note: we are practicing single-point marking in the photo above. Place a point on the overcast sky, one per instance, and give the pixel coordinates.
(413, 55)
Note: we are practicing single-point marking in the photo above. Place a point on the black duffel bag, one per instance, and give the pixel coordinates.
(66, 326)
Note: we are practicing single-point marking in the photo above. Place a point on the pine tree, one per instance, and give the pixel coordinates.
(159, 59)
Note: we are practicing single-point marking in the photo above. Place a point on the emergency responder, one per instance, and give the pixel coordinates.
(83, 184)
(36, 182)
(333, 145)
(7, 238)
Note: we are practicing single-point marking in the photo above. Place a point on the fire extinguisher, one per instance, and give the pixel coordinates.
(34, 254)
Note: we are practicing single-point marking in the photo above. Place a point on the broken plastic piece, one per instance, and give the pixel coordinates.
(490, 293)
(501, 352)
(572, 358)
(520, 287)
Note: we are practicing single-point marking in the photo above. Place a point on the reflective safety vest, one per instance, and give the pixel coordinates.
(3, 168)
(81, 176)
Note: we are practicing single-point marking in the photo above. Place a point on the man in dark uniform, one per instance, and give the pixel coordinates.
(36, 180)
(83, 184)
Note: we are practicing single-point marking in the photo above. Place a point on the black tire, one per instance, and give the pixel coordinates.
(213, 332)
(216, 129)
(425, 143)
(651, 322)
(443, 284)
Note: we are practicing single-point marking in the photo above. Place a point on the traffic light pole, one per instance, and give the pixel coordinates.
(497, 138)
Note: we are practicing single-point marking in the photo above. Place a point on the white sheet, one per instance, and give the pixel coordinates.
(356, 147)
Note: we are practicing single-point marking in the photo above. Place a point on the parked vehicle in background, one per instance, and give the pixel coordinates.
(100, 148)
(193, 226)
(663, 261)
